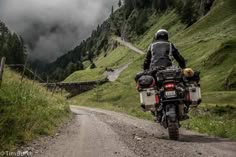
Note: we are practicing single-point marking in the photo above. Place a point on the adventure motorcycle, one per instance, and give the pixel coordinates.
(168, 93)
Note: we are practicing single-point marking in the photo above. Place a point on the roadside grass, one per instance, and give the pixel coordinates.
(222, 97)
(86, 75)
(209, 46)
(119, 56)
(218, 120)
(27, 111)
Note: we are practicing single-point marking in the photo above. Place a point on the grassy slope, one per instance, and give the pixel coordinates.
(85, 75)
(114, 59)
(27, 111)
(209, 46)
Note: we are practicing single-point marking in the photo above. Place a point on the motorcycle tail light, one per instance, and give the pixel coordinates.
(137, 86)
(153, 83)
(169, 86)
(157, 99)
(188, 97)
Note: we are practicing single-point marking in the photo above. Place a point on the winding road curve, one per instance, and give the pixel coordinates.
(114, 75)
(100, 133)
(129, 45)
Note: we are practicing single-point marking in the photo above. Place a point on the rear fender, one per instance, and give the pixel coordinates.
(171, 112)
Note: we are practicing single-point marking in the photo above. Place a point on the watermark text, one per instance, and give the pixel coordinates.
(16, 154)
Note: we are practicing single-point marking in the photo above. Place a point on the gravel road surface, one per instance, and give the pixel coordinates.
(101, 133)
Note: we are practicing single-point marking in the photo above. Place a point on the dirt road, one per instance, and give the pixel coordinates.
(129, 45)
(100, 133)
(114, 75)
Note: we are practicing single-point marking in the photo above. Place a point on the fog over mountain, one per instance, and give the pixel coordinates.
(51, 28)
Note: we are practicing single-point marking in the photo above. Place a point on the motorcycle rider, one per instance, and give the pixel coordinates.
(161, 52)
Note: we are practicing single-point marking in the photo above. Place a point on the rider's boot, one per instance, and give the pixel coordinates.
(186, 111)
(143, 107)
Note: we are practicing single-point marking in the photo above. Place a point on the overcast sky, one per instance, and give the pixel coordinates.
(52, 27)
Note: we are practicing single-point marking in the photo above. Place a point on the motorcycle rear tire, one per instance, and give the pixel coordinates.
(173, 130)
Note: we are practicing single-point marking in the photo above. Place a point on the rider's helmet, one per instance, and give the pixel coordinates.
(162, 34)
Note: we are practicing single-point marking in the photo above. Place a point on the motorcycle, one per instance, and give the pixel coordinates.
(168, 93)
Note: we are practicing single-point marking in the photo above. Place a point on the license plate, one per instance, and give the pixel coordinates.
(170, 94)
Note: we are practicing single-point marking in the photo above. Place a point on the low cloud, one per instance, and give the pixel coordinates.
(52, 27)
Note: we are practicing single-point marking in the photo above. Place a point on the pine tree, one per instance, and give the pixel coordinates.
(90, 56)
(119, 3)
(11, 46)
(128, 7)
(178, 6)
(163, 5)
(112, 10)
(188, 13)
(155, 5)
(140, 23)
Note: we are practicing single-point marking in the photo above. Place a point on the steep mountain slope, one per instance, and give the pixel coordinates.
(208, 45)
(129, 22)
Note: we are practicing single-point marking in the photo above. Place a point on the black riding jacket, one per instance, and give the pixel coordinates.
(161, 53)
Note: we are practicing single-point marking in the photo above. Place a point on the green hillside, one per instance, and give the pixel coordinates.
(27, 111)
(208, 45)
(114, 59)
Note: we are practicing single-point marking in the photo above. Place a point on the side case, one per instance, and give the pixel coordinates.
(195, 95)
(148, 98)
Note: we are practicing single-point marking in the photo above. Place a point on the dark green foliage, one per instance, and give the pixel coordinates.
(140, 23)
(190, 10)
(11, 46)
(163, 5)
(128, 7)
(71, 67)
(90, 55)
(155, 5)
(187, 15)
(141, 4)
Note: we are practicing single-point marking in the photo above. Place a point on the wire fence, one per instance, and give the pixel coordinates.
(15, 66)
(72, 88)
(25, 68)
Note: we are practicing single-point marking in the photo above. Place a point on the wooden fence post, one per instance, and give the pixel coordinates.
(25, 68)
(54, 89)
(2, 69)
(35, 75)
(47, 84)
